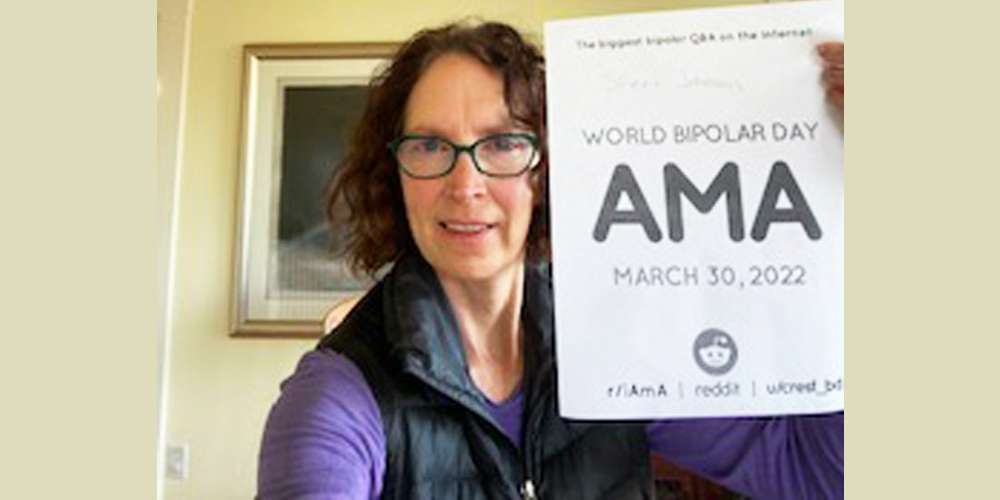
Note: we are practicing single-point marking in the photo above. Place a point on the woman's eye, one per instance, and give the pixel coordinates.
(505, 144)
(425, 146)
(429, 145)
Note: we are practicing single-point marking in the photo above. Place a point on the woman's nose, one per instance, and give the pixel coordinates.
(465, 181)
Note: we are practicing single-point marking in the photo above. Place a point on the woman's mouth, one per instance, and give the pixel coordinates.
(465, 227)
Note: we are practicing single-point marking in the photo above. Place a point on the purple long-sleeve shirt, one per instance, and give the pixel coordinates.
(324, 440)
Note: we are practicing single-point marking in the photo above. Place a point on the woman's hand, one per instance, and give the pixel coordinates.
(832, 54)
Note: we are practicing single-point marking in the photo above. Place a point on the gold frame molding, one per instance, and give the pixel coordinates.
(256, 310)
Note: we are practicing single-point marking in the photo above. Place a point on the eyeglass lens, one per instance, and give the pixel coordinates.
(502, 154)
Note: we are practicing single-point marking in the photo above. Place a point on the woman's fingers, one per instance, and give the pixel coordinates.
(833, 76)
(833, 81)
(832, 54)
(836, 96)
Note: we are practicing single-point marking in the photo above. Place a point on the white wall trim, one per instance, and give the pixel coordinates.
(173, 51)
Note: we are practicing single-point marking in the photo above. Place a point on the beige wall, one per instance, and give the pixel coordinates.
(220, 388)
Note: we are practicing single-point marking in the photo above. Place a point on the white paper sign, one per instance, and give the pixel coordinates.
(697, 192)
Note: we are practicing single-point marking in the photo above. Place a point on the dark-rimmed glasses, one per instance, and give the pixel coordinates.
(495, 155)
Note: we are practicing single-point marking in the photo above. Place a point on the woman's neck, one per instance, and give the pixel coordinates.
(489, 318)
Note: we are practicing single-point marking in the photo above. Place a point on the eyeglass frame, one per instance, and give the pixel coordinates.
(393, 147)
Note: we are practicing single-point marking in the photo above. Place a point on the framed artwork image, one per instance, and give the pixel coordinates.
(300, 104)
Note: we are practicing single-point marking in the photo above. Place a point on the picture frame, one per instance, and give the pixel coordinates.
(299, 105)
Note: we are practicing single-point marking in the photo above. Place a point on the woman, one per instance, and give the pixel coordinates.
(441, 382)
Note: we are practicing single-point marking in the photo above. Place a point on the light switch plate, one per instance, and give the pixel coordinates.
(177, 461)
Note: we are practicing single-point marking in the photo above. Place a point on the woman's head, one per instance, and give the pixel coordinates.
(368, 199)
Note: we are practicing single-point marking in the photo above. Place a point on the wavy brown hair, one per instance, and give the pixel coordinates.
(365, 198)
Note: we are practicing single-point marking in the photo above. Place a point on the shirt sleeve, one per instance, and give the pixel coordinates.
(779, 457)
(324, 437)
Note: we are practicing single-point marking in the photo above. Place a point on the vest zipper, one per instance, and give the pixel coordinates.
(528, 490)
(531, 460)
(536, 408)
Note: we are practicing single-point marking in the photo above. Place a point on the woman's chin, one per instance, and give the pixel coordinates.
(472, 268)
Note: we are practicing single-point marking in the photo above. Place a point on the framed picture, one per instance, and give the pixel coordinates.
(300, 104)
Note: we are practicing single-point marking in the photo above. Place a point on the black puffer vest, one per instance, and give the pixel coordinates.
(441, 442)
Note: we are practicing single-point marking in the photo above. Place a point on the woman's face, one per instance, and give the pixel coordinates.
(467, 226)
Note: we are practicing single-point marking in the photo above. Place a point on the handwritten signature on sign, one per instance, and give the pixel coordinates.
(631, 82)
